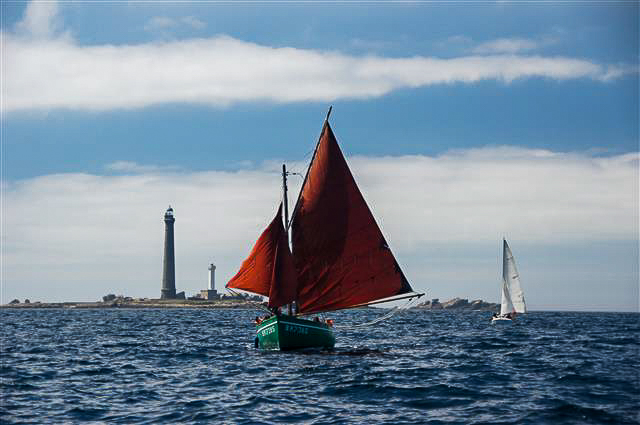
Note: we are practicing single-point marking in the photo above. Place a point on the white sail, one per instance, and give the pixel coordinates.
(506, 306)
(512, 295)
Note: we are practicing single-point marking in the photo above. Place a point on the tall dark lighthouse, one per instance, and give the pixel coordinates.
(169, 263)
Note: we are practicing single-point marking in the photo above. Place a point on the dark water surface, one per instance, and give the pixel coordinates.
(199, 366)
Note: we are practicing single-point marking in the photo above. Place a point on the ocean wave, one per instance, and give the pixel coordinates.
(166, 366)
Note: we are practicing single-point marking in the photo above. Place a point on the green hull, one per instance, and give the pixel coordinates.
(290, 333)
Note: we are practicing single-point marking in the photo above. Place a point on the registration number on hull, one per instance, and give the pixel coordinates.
(268, 331)
(295, 329)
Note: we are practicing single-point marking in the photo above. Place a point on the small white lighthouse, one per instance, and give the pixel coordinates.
(210, 293)
(212, 277)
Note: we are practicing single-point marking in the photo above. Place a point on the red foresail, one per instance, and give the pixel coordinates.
(340, 254)
(269, 269)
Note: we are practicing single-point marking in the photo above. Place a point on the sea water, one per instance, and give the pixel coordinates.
(200, 366)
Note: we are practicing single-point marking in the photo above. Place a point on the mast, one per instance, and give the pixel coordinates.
(286, 218)
(284, 199)
(505, 300)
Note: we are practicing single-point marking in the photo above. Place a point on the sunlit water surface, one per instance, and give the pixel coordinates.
(200, 366)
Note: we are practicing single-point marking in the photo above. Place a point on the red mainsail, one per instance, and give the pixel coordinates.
(340, 254)
(269, 269)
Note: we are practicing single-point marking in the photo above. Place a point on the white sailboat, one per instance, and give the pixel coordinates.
(512, 294)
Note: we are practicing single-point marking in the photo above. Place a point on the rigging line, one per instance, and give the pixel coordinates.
(391, 313)
(232, 291)
(410, 295)
(240, 294)
(257, 304)
(305, 155)
(260, 306)
(373, 322)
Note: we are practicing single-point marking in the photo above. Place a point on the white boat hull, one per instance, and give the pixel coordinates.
(501, 320)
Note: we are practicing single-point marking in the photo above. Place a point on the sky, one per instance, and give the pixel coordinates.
(463, 123)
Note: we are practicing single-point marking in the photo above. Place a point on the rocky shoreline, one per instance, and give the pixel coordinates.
(150, 303)
(455, 304)
(458, 304)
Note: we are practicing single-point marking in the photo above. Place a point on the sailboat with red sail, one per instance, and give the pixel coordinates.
(339, 257)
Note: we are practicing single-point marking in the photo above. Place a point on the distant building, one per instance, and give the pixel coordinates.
(212, 277)
(206, 294)
(241, 297)
(210, 293)
(168, 291)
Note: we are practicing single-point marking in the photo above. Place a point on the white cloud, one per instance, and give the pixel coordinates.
(498, 46)
(159, 23)
(507, 45)
(616, 71)
(533, 195)
(223, 70)
(40, 19)
(86, 235)
(193, 22)
(59, 73)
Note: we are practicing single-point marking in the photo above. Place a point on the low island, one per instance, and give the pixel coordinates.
(235, 301)
(458, 304)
